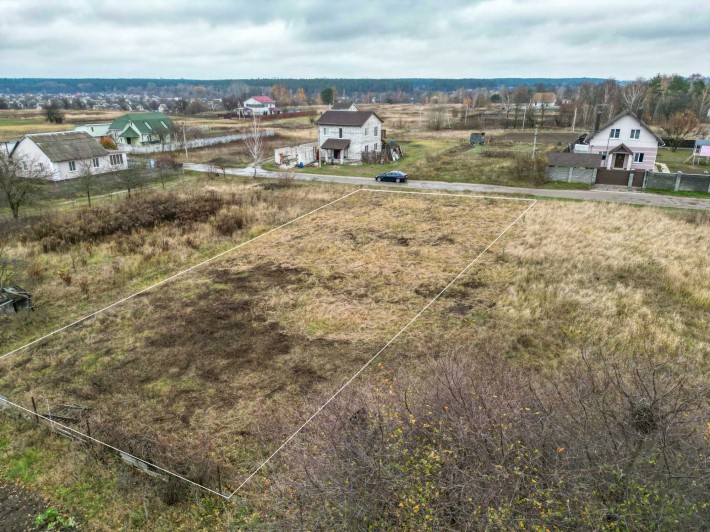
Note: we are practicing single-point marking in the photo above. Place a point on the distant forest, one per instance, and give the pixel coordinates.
(312, 86)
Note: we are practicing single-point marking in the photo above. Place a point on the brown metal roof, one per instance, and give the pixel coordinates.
(68, 146)
(335, 144)
(621, 148)
(345, 118)
(341, 106)
(544, 97)
(575, 160)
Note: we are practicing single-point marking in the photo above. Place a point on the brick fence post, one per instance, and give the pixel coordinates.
(677, 180)
(631, 179)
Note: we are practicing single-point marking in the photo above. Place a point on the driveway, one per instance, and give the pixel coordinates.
(612, 196)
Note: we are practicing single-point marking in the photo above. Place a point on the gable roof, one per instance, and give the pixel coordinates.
(621, 148)
(263, 99)
(575, 160)
(342, 106)
(619, 116)
(544, 97)
(345, 118)
(145, 123)
(67, 146)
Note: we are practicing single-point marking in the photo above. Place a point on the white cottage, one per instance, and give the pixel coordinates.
(625, 143)
(60, 156)
(260, 105)
(343, 136)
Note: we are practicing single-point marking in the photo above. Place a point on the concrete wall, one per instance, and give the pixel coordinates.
(571, 175)
(678, 181)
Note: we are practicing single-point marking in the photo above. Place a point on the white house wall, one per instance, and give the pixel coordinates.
(647, 143)
(356, 135)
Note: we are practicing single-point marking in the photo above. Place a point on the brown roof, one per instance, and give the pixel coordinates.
(68, 146)
(335, 144)
(345, 118)
(621, 148)
(544, 97)
(575, 160)
(341, 106)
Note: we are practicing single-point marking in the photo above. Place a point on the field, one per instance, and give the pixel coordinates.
(288, 316)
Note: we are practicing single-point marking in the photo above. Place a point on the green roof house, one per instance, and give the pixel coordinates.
(137, 129)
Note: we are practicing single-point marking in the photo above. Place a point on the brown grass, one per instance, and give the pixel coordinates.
(206, 359)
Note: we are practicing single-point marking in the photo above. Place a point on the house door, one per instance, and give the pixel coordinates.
(336, 154)
(619, 160)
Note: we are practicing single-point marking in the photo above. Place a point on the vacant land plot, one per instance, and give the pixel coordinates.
(194, 374)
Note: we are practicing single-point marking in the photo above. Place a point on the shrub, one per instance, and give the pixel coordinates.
(108, 143)
(227, 223)
(90, 225)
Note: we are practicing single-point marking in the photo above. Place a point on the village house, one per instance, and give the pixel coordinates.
(548, 100)
(260, 105)
(60, 156)
(95, 130)
(137, 129)
(624, 143)
(344, 136)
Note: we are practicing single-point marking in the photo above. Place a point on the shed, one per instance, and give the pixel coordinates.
(14, 299)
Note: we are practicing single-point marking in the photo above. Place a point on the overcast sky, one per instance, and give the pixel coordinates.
(227, 39)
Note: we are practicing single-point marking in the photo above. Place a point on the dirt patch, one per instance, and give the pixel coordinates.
(19, 507)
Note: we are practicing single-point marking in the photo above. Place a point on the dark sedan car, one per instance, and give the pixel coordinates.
(394, 175)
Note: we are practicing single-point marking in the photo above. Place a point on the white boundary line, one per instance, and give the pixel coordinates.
(292, 436)
(174, 276)
(324, 405)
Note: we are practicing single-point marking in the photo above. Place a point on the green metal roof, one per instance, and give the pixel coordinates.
(145, 123)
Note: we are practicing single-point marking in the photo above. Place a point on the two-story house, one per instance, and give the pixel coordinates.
(625, 143)
(343, 136)
(260, 105)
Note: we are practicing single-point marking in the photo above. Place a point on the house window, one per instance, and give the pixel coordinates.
(325, 130)
(635, 133)
(376, 130)
(614, 133)
(603, 154)
(367, 149)
(116, 159)
(340, 133)
(72, 166)
(367, 131)
(95, 160)
(638, 157)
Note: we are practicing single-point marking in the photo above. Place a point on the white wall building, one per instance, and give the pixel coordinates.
(95, 130)
(60, 156)
(343, 136)
(260, 105)
(625, 143)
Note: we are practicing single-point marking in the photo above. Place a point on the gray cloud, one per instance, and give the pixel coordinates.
(352, 38)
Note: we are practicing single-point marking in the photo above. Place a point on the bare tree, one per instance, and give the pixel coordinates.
(18, 180)
(254, 142)
(633, 95)
(6, 271)
(53, 112)
(703, 99)
(87, 179)
(132, 178)
(507, 98)
(679, 127)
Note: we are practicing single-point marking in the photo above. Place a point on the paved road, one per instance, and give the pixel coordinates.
(611, 195)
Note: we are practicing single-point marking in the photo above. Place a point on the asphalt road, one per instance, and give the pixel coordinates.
(608, 195)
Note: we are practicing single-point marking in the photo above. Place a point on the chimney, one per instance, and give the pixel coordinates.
(598, 121)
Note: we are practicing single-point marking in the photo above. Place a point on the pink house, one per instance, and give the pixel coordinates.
(625, 143)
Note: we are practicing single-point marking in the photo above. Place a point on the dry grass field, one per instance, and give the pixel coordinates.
(224, 362)
(195, 365)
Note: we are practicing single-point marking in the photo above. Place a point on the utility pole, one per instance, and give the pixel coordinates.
(525, 111)
(534, 142)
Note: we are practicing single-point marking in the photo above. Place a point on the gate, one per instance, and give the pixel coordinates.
(612, 177)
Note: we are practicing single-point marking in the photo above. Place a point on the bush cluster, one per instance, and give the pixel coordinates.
(89, 225)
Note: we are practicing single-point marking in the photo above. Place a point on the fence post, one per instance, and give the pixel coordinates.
(645, 178)
(631, 179)
(677, 180)
(34, 407)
